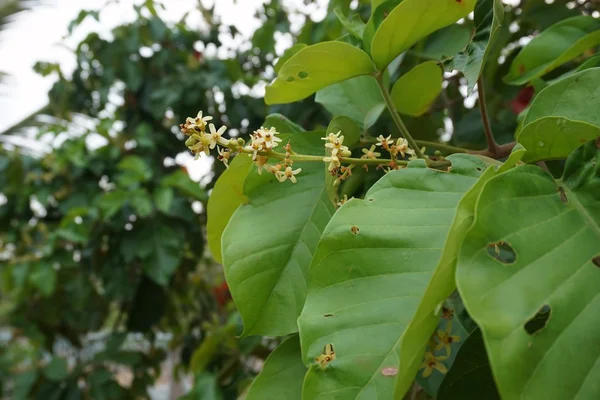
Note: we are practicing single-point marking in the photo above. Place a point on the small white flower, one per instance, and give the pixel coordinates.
(337, 145)
(269, 137)
(371, 153)
(385, 142)
(334, 162)
(215, 135)
(201, 121)
(332, 137)
(224, 156)
(288, 173)
(402, 147)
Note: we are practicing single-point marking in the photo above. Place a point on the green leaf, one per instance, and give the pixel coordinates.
(447, 42)
(528, 274)
(110, 203)
(553, 47)
(287, 54)
(57, 369)
(442, 283)
(471, 374)
(141, 202)
(489, 17)
(315, 67)
(134, 170)
(163, 198)
(416, 90)
(269, 242)
(355, 26)
(369, 272)
(357, 98)
(160, 245)
(411, 21)
(379, 13)
(282, 374)
(562, 117)
(43, 277)
(228, 193)
(181, 181)
(226, 197)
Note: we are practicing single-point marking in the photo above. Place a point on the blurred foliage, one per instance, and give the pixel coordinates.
(99, 238)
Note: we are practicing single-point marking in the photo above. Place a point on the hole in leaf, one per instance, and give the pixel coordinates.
(539, 320)
(502, 252)
(290, 79)
(328, 315)
(389, 371)
(563, 195)
(596, 261)
(478, 169)
(302, 74)
(355, 230)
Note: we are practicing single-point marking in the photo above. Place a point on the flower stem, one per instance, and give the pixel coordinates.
(492, 145)
(305, 157)
(396, 117)
(423, 143)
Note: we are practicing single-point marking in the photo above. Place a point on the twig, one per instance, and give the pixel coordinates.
(492, 145)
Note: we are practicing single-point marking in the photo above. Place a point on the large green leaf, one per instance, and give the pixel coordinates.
(442, 282)
(470, 376)
(489, 17)
(228, 193)
(369, 272)
(555, 46)
(411, 21)
(562, 117)
(226, 197)
(355, 26)
(160, 248)
(529, 276)
(315, 67)
(282, 375)
(416, 90)
(358, 98)
(269, 242)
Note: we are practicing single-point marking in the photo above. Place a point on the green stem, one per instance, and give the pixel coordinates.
(492, 145)
(396, 117)
(305, 157)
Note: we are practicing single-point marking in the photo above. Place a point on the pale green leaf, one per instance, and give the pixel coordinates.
(442, 282)
(269, 242)
(553, 47)
(358, 98)
(369, 272)
(226, 197)
(416, 90)
(411, 21)
(228, 193)
(562, 116)
(315, 67)
(529, 275)
(287, 54)
(379, 12)
(282, 375)
(181, 181)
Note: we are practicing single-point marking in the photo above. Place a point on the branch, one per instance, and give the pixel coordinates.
(492, 145)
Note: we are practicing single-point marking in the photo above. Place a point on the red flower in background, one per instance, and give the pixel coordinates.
(222, 294)
(519, 103)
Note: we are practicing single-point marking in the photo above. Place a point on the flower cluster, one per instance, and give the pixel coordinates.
(264, 140)
(201, 141)
(441, 340)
